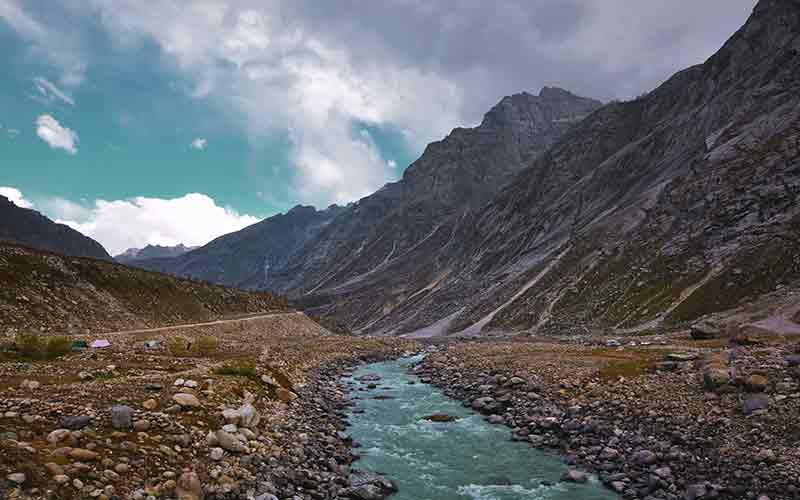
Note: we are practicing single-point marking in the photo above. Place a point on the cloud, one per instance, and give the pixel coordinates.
(59, 45)
(192, 219)
(57, 136)
(315, 71)
(199, 143)
(15, 195)
(50, 92)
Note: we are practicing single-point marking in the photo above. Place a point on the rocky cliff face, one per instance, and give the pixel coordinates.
(29, 227)
(307, 250)
(656, 211)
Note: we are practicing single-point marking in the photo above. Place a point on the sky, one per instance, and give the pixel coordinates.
(176, 121)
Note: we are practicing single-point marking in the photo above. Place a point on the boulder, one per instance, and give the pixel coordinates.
(229, 442)
(186, 400)
(754, 403)
(122, 417)
(756, 383)
(644, 457)
(715, 378)
(188, 487)
(704, 330)
(366, 485)
(575, 476)
(58, 435)
(285, 395)
(75, 423)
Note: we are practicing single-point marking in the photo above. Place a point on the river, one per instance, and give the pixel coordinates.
(465, 459)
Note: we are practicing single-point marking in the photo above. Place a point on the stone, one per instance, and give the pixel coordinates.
(248, 415)
(231, 416)
(83, 455)
(150, 404)
(179, 382)
(192, 384)
(30, 385)
(645, 457)
(58, 435)
(229, 442)
(696, 491)
(122, 468)
(756, 383)
(575, 476)
(704, 330)
(715, 378)
(216, 453)
(53, 468)
(365, 485)
(609, 453)
(285, 395)
(440, 417)
(75, 422)
(122, 417)
(754, 403)
(16, 477)
(188, 487)
(186, 400)
(141, 425)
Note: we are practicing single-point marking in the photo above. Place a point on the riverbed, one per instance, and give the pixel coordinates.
(467, 458)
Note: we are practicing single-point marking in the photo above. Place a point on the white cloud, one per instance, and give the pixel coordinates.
(57, 136)
(15, 195)
(261, 62)
(199, 143)
(50, 92)
(193, 219)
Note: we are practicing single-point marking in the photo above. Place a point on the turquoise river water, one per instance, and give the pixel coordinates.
(465, 459)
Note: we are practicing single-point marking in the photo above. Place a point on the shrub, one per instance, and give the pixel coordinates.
(206, 345)
(28, 344)
(57, 346)
(178, 346)
(34, 346)
(241, 368)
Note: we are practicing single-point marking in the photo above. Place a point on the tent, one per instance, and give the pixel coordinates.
(99, 343)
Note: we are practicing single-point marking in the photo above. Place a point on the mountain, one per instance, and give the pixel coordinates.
(151, 252)
(29, 227)
(557, 214)
(307, 249)
(652, 212)
(44, 291)
(245, 259)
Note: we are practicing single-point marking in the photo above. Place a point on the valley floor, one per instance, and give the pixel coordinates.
(170, 412)
(659, 417)
(254, 407)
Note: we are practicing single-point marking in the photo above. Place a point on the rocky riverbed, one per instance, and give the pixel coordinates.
(259, 416)
(688, 421)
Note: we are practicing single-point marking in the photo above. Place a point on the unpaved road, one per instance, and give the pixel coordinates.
(194, 325)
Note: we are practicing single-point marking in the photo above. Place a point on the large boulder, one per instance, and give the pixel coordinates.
(189, 487)
(716, 378)
(365, 485)
(122, 417)
(704, 330)
(186, 400)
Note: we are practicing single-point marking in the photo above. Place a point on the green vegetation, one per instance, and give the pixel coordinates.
(206, 345)
(32, 346)
(239, 368)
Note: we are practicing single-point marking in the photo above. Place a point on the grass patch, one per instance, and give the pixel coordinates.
(206, 345)
(240, 368)
(32, 346)
(627, 363)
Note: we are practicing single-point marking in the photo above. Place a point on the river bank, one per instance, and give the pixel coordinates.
(653, 423)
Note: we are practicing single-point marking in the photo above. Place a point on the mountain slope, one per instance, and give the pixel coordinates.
(307, 250)
(244, 259)
(678, 204)
(29, 227)
(44, 291)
